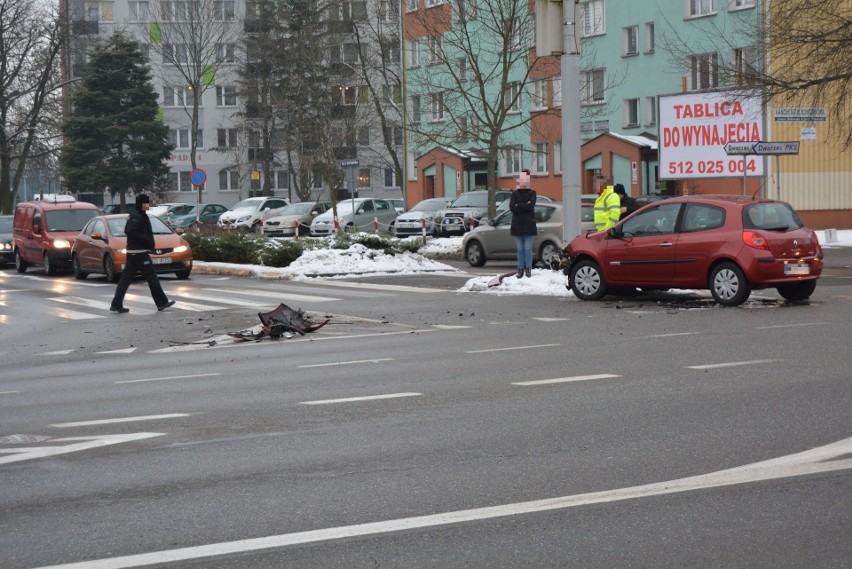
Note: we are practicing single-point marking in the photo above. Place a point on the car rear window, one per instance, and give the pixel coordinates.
(771, 216)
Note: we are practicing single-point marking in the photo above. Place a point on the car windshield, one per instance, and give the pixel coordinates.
(185, 209)
(430, 205)
(6, 224)
(771, 216)
(251, 203)
(472, 199)
(300, 208)
(117, 225)
(68, 219)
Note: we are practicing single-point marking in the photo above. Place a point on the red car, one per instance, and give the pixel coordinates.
(728, 244)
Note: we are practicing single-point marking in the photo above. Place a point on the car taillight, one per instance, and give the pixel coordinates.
(754, 240)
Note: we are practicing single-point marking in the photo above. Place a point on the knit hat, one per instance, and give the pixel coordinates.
(142, 198)
(619, 189)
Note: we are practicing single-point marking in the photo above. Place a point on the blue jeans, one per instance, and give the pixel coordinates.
(524, 244)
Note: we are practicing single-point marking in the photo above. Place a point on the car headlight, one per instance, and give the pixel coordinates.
(61, 244)
(121, 251)
(475, 213)
(6, 246)
(243, 218)
(180, 249)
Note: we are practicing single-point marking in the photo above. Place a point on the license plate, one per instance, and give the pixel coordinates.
(797, 270)
(161, 260)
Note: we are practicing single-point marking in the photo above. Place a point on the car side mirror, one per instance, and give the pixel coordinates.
(179, 231)
(97, 235)
(315, 212)
(615, 232)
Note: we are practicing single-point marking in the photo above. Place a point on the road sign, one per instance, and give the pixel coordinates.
(800, 114)
(348, 163)
(739, 148)
(764, 148)
(197, 177)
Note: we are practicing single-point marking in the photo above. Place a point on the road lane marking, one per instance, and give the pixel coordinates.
(365, 398)
(274, 294)
(544, 319)
(512, 348)
(170, 377)
(119, 420)
(673, 334)
(8, 392)
(19, 454)
(55, 353)
(791, 325)
(450, 327)
(566, 379)
(827, 458)
(375, 361)
(730, 364)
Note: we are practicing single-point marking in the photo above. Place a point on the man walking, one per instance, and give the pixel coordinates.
(140, 240)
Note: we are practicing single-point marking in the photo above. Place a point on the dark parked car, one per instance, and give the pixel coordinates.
(730, 245)
(7, 255)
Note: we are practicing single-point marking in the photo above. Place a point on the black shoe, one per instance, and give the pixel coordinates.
(520, 273)
(166, 305)
(528, 272)
(119, 309)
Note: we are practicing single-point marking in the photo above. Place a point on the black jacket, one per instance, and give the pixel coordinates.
(139, 233)
(522, 204)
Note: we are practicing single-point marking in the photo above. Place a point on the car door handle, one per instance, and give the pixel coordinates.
(666, 244)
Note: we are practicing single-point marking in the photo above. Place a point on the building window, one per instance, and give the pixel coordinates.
(229, 179)
(139, 11)
(414, 117)
(540, 158)
(594, 22)
(740, 4)
(393, 134)
(226, 137)
(363, 177)
(557, 91)
(436, 106)
(650, 111)
(223, 10)
(388, 11)
(225, 53)
(175, 53)
(631, 113)
(512, 97)
(435, 49)
(591, 129)
(512, 160)
(177, 96)
(592, 87)
(697, 8)
(744, 65)
(538, 95)
(432, 3)
(557, 157)
(649, 37)
(412, 53)
(512, 29)
(630, 40)
(100, 11)
(280, 179)
(466, 10)
(410, 5)
(704, 71)
(363, 135)
(390, 178)
(179, 137)
(226, 96)
(390, 94)
(462, 69)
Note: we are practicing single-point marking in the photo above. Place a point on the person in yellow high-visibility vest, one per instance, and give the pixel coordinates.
(607, 209)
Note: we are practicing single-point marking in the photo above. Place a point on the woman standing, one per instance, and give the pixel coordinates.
(523, 228)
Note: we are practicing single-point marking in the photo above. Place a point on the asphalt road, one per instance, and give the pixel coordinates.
(423, 427)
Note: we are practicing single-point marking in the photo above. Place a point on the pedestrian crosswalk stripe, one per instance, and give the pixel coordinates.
(275, 294)
(74, 315)
(80, 301)
(234, 301)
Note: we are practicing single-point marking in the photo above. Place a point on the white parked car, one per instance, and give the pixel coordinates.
(356, 215)
(248, 214)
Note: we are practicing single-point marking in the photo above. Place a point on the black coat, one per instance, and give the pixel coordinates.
(522, 204)
(139, 233)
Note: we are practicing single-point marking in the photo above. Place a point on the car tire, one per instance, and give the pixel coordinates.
(801, 290)
(183, 274)
(49, 265)
(109, 269)
(728, 284)
(79, 273)
(586, 280)
(475, 254)
(548, 252)
(20, 264)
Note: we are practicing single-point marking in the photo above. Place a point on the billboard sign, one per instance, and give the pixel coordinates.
(695, 128)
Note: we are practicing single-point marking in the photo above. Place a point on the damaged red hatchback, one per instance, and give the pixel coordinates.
(728, 244)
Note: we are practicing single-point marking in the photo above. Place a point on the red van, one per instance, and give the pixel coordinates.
(44, 231)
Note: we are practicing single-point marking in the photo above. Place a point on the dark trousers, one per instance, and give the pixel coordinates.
(140, 262)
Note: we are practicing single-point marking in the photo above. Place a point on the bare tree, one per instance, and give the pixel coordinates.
(31, 36)
(197, 40)
(478, 67)
(797, 53)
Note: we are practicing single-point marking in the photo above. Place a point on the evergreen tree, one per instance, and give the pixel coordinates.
(116, 142)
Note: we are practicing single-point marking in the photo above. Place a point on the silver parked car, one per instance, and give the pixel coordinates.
(412, 222)
(356, 215)
(282, 222)
(492, 240)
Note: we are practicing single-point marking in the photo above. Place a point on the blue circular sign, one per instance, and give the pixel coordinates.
(197, 177)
